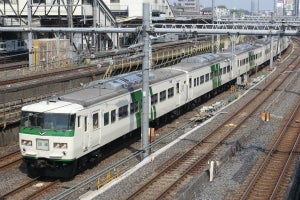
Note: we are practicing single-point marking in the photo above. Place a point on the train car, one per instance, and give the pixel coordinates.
(13, 46)
(59, 136)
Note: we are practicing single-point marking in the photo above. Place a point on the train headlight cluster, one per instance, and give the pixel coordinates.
(26, 142)
(60, 145)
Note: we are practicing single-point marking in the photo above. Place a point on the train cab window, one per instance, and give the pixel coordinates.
(95, 121)
(224, 70)
(112, 116)
(170, 92)
(106, 118)
(206, 77)
(154, 99)
(162, 95)
(123, 112)
(177, 88)
(134, 107)
(190, 82)
(202, 79)
(85, 123)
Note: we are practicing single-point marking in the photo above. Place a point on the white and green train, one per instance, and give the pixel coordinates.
(61, 135)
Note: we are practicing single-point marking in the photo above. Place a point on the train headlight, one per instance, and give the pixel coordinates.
(26, 142)
(60, 145)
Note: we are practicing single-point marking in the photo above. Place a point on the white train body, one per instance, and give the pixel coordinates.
(12, 46)
(82, 122)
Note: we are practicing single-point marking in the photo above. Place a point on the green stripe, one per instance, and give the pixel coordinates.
(137, 96)
(216, 80)
(251, 62)
(41, 132)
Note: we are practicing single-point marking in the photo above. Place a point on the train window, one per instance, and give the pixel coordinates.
(39, 1)
(202, 79)
(154, 99)
(134, 107)
(206, 77)
(123, 112)
(162, 95)
(228, 69)
(198, 80)
(211, 75)
(85, 123)
(95, 121)
(78, 121)
(224, 70)
(170, 92)
(247, 60)
(112, 116)
(220, 71)
(195, 82)
(106, 118)
(190, 82)
(177, 88)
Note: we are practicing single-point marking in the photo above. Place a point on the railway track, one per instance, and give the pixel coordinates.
(177, 172)
(10, 160)
(269, 177)
(31, 189)
(13, 66)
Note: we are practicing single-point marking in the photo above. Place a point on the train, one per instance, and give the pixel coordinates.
(13, 46)
(61, 135)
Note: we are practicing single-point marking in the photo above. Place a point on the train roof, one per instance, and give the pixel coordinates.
(102, 90)
(53, 106)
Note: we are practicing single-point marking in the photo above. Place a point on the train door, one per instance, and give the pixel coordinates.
(85, 131)
(190, 89)
(94, 135)
(183, 93)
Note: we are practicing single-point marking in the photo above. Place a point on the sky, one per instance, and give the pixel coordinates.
(238, 4)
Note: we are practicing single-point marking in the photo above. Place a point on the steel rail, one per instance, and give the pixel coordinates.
(270, 153)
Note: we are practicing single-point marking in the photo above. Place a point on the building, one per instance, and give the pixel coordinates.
(134, 8)
(287, 7)
(254, 7)
(189, 5)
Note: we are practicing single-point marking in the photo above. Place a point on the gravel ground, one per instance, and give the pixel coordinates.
(258, 133)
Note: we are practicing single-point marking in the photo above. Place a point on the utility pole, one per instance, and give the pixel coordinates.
(145, 72)
(213, 21)
(29, 33)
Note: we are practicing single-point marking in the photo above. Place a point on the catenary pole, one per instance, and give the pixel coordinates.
(145, 71)
(29, 14)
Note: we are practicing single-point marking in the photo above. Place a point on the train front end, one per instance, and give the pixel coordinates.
(46, 138)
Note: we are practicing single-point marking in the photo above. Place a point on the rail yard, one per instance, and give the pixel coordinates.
(234, 136)
(148, 100)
